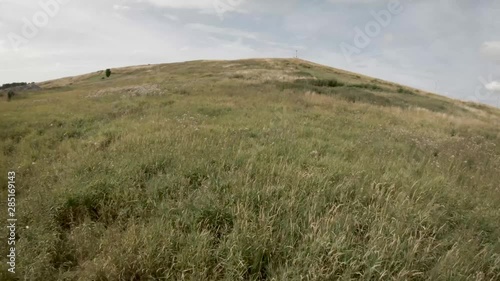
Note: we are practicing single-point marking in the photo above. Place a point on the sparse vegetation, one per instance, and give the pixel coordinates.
(143, 178)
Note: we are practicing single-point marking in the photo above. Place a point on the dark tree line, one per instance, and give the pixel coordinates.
(12, 85)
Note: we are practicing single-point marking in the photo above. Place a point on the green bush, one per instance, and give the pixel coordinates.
(10, 95)
(366, 86)
(326, 83)
(405, 91)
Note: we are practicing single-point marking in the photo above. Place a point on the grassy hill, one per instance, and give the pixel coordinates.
(268, 169)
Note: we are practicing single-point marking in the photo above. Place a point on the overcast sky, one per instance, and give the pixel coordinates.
(451, 47)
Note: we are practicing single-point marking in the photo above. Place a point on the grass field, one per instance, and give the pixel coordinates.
(249, 170)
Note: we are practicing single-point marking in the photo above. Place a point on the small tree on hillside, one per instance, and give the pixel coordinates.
(10, 95)
(108, 72)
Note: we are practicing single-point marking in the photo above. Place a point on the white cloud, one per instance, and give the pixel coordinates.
(121, 7)
(2, 46)
(493, 86)
(171, 17)
(225, 6)
(222, 30)
(183, 4)
(354, 1)
(491, 50)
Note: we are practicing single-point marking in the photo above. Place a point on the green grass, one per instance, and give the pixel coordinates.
(234, 179)
(373, 87)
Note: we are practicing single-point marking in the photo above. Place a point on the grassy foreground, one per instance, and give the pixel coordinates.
(250, 170)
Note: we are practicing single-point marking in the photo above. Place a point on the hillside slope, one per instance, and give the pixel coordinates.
(268, 169)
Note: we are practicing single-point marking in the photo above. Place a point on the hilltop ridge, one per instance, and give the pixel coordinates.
(353, 86)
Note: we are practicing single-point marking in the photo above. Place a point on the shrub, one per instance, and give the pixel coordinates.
(10, 95)
(326, 83)
(183, 92)
(108, 72)
(303, 74)
(405, 91)
(310, 84)
(366, 86)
